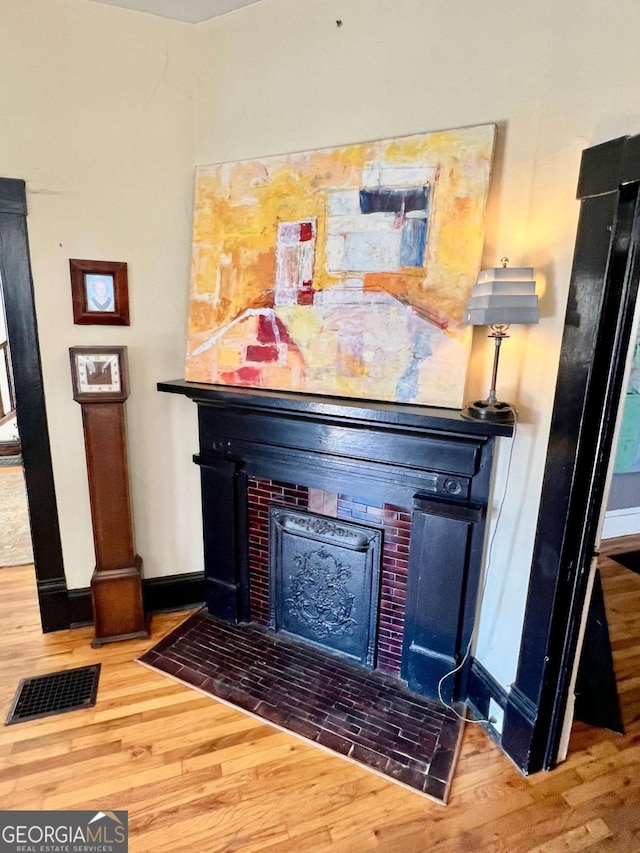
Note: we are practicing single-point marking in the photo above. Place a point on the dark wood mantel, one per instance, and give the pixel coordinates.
(386, 415)
(430, 461)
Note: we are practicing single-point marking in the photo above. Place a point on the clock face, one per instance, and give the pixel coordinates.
(98, 373)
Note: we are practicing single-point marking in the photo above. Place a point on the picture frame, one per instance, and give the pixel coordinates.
(99, 374)
(100, 292)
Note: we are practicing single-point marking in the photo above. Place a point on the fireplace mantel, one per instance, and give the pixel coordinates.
(384, 415)
(429, 461)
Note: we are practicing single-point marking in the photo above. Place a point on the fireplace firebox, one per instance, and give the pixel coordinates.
(324, 582)
(411, 588)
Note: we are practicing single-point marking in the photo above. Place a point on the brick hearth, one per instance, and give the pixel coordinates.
(368, 716)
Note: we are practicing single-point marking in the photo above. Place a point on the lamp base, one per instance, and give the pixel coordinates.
(493, 412)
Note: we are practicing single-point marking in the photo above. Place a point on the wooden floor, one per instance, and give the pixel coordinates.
(196, 775)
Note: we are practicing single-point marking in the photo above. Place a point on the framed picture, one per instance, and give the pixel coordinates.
(99, 374)
(100, 293)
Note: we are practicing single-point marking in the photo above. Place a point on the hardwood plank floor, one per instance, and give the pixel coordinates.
(197, 775)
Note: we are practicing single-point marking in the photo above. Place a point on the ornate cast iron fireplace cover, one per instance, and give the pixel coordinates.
(325, 582)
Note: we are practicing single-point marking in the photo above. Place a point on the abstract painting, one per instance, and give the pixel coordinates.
(343, 271)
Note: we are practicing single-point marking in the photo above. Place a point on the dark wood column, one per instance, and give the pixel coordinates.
(224, 499)
(602, 298)
(439, 565)
(22, 331)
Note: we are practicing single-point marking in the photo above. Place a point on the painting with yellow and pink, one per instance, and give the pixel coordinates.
(341, 271)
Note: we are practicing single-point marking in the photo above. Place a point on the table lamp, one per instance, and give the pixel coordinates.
(501, 297)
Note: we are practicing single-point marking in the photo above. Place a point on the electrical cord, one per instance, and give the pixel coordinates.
(484, 587)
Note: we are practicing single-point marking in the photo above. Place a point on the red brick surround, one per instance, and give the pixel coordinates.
(261, 494)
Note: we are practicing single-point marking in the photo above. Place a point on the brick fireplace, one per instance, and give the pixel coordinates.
(416, 476)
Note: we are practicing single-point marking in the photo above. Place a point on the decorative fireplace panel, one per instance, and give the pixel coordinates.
(393, 521)
(325, 581)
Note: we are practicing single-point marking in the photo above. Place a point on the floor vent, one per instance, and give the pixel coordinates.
(55, 693)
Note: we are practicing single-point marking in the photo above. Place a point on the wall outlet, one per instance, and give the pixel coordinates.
(496, 713)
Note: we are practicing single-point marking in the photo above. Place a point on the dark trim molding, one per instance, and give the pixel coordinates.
(54, 604)
(519, 725)
(607, 167)
(602, 297)
(161, 595)
(22, 332)
(13, 198)
(80, 609)
(173, 592)
(481, 687)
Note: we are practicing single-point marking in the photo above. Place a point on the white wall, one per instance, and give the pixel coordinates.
(9, 430)
(281, 76)
(97, 117)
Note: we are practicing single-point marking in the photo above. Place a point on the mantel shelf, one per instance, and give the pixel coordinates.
(381, 414)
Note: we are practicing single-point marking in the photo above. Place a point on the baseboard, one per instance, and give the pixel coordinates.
(54, 604)
(482, 687)
(173, 592)
(80, 610)
(517, 735)
(161, 595)
(519, 716)
(621, 522)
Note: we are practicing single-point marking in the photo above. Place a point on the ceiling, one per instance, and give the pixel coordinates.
(191, 11)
